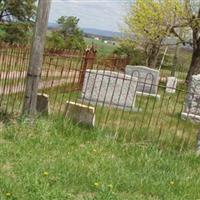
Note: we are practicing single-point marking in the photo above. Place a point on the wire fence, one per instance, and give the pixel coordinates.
(128, 107)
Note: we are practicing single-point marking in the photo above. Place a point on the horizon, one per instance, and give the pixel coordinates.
(98, 29)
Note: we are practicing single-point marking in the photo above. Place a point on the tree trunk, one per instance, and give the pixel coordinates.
(195, 63)
(152, 56)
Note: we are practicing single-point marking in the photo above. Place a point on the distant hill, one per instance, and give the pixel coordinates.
(92, 31)
(103, 33)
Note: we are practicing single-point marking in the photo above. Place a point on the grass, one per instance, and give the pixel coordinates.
(104, 50)
(158, 122)
(55, 159)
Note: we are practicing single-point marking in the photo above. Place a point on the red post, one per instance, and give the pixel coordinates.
(88, 62)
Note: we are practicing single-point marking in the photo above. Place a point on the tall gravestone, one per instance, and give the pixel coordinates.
(148, 79)
(192, 100)
(109, 88)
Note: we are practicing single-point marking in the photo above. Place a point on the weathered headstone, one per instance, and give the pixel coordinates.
(42, 103)
(148, 79)
(80, 113)
(171, 84)
(109, 88)
(192, 101)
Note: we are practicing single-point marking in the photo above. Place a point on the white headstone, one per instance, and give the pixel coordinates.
(109, 88)
(171, 84)
(148, 78)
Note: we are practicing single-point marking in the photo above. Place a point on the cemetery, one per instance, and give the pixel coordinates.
(81, 118)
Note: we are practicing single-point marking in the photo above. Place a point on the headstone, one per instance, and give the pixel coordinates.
(80, 113)
(109, 88)
(148, 79)
(42, 103)
(171, 84)
(192, 101)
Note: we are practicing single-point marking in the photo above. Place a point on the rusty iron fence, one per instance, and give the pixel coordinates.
(65, 77)
(60, 66)
(154, 119)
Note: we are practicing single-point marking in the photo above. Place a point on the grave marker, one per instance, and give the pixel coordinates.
(80, 113)
(42, 103)
(192, 101)
(109, 88)
(171, 84)
(148, 79)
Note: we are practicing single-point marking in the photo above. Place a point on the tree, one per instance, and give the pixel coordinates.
(191, 20)
(150, 22)
(127, 48)
(16, 19)
(69, 35)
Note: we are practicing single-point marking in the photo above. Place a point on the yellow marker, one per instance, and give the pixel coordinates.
(96, 184)
(46, 173)
(8, 194)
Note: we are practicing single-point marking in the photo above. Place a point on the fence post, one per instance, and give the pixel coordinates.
(36, 58)
(114, 62)
(88, 62)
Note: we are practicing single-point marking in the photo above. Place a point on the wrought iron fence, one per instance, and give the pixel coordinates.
(131, 108)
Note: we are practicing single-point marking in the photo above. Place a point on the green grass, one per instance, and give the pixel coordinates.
(54, 159)
(158, 122)
(104, 50)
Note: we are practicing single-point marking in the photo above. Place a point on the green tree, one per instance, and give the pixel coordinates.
(191, 22)
(150, 22)
(68, 36)
(128, 48)
(16, 19)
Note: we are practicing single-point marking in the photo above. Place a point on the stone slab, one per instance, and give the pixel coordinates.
(192, 117)
(132, 109)
(192, 100)
(157, 96)
(42, 103)
(80, 113)
(148, 79)
(171, 84)
(107, 87)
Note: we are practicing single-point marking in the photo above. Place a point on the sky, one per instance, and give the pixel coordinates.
(98, 14)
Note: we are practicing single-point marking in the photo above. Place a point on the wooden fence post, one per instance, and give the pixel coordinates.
(36, 58)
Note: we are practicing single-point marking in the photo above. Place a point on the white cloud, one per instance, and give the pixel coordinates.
(101, 14)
